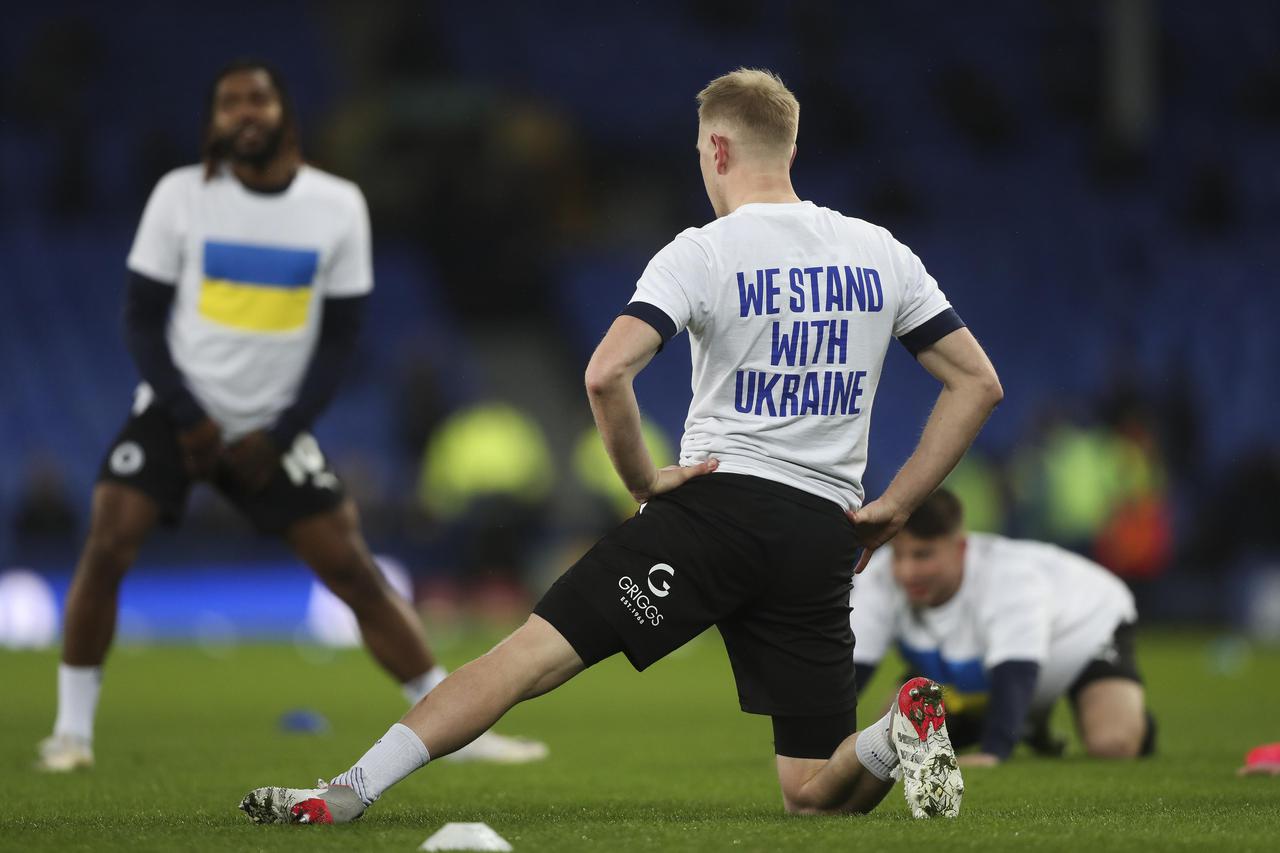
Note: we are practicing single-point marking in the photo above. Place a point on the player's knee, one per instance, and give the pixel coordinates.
(794, 801)
(797, 807)
(801, 802)
(1113, 743)
(109, 552)
(803, 807)
(803, 796)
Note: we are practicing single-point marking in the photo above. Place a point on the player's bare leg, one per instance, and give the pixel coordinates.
(120, 519)
(830, 785)
(333, 546)
(910, 741)
(1112, 718)
(535, 659)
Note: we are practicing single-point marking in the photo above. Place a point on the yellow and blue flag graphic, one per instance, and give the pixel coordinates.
(257, 288)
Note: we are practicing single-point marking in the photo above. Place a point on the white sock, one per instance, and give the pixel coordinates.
(875, 751)
(78, 688)
(416, 688)
(396, 754)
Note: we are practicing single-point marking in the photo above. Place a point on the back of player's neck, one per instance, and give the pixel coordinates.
(775, 194)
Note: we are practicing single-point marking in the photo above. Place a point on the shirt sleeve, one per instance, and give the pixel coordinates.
(157, 247)
(146, 315)
(1016, 618)
(1013, 684)
(872, 611)
(924, 315)
(677, 282)
(339, 329)
(350, 270)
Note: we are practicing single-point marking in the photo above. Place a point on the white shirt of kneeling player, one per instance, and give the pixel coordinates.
(1017, 601)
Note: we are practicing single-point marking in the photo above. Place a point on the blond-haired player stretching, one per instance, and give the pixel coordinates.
(789, 308)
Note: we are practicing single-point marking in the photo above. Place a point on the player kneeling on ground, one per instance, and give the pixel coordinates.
(751, 533)
(1009, 627)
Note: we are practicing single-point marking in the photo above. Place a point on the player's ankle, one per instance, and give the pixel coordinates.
(875, 751)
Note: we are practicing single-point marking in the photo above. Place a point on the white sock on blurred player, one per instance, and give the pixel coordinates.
(874, 750)
(396, 754)
(78, 688)
(415, 688)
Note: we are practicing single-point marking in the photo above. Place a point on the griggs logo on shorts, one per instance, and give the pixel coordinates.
(664, 588)
(638, 602)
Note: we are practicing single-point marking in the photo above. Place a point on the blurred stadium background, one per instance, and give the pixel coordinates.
(1094, 184)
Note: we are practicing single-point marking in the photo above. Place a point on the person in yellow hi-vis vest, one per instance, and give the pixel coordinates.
(485, 477)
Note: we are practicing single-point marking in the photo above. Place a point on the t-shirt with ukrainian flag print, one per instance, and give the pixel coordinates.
(252, 271)
(1019, 600)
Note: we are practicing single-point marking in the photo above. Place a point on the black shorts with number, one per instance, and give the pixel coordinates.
(146, 456)
(769, 565)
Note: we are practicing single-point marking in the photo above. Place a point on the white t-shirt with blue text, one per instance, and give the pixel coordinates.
(790, 309)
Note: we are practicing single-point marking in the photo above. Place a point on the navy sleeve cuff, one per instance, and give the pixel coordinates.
(146, 314)
(931, 331)
(1012, 685)
(654, 316)
(338, 333)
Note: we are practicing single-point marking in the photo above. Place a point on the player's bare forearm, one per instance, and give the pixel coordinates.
(617, 417)
(623, 353)
(970, 392)
(954, 423)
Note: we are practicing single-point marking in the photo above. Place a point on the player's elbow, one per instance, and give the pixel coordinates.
(984, 388)
(602, 377)
(606, 374)
(991, 389)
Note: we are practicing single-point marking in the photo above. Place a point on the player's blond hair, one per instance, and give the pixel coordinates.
(756, 103)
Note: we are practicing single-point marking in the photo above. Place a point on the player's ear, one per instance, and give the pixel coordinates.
(721, 146)
(794, 148)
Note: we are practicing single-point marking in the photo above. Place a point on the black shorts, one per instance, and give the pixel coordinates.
(146, 456)
(769, 565)
(1117, 660)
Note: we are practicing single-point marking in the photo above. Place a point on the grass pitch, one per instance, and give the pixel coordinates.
(658, 761)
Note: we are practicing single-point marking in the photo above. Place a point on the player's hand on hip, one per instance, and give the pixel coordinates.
(253, 460)
(200, 446)
(875, 524)
(673, 476)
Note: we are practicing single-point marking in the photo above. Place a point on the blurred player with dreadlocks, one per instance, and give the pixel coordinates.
(247, 281)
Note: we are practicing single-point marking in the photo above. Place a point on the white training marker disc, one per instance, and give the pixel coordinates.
(465, 836)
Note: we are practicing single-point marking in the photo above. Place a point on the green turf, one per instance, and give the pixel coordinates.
(659, 761)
